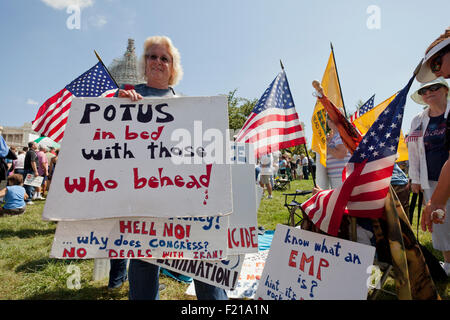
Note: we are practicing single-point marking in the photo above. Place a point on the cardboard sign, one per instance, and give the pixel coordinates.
(178, 238)
(243, 230)
(250, 275)
(32, 180)
(151, 158)
(303, 265)
(247, 284)
(100, 238)
(223, 274)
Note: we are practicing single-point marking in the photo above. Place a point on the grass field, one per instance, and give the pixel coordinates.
(27, 272)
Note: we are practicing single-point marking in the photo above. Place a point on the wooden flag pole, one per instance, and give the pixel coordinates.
(339, 82)
(100, 59)
(304, 145)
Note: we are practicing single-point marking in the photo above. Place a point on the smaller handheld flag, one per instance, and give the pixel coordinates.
(273, 124)
(52, 116)
(415, 134)
(368, 105)
(372, 164)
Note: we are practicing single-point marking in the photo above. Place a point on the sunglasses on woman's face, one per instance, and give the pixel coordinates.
(433, 88)
(436, 62)
(154, 57)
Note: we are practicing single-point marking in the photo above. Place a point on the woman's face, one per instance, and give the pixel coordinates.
(158, 65)
(436, 98)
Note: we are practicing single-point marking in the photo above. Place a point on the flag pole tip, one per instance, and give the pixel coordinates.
(318, 87)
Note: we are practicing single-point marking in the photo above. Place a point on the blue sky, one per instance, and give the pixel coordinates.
(224, 45)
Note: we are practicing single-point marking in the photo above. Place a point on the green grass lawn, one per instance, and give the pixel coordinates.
(27, 272)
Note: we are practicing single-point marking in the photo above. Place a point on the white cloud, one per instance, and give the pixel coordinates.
(63, 4)
(98, 21)
(32, 102)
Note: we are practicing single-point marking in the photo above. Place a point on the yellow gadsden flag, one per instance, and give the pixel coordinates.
(330, 85)
(364, 122)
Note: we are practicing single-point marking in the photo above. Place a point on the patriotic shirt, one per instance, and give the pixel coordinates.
(447, 134)
(434, 142)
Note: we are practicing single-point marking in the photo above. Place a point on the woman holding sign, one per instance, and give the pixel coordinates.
(161, 68)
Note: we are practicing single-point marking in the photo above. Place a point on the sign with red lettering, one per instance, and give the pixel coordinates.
(178, 238)
(159, 157)
(304, 265)
(243, 230)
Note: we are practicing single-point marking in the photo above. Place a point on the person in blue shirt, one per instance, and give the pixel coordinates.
(14, 196)
(161, 67)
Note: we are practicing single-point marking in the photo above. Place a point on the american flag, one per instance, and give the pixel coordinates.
(367, 175)
(273, 124)
(52, 116)
(363, 109)
(415, 134)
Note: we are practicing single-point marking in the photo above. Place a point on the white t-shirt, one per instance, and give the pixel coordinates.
(266, 164)
(19, 162)
(305, 162)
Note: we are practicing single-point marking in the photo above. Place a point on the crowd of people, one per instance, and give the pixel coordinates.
(161, 68)
(37, 160)
(287, 166)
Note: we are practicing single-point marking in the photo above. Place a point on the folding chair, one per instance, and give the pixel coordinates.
(281, 184)
(292, 206)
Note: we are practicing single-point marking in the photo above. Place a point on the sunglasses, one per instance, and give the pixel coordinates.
(433, 88)
(436, 62)
(154, 57)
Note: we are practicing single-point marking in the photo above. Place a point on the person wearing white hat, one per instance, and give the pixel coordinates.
(428, 153)
(436, 62)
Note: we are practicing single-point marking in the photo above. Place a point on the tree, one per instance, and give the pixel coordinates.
(238, 110)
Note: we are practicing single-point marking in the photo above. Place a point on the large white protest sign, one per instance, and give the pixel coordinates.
(180, 238)
(243, 229)
(304, 265)
(223, 274)
(151, 158)
(243, 226)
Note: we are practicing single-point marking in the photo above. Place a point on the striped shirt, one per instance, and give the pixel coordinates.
(336, 166)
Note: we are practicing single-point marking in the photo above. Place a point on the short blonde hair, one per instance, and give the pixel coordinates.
(177, 70)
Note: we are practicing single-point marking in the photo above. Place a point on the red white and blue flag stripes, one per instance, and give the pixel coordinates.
(52, 116)
(363, 109)
(273, 124)
(367, 175)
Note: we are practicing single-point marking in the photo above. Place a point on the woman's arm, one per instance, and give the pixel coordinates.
(438, 200)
